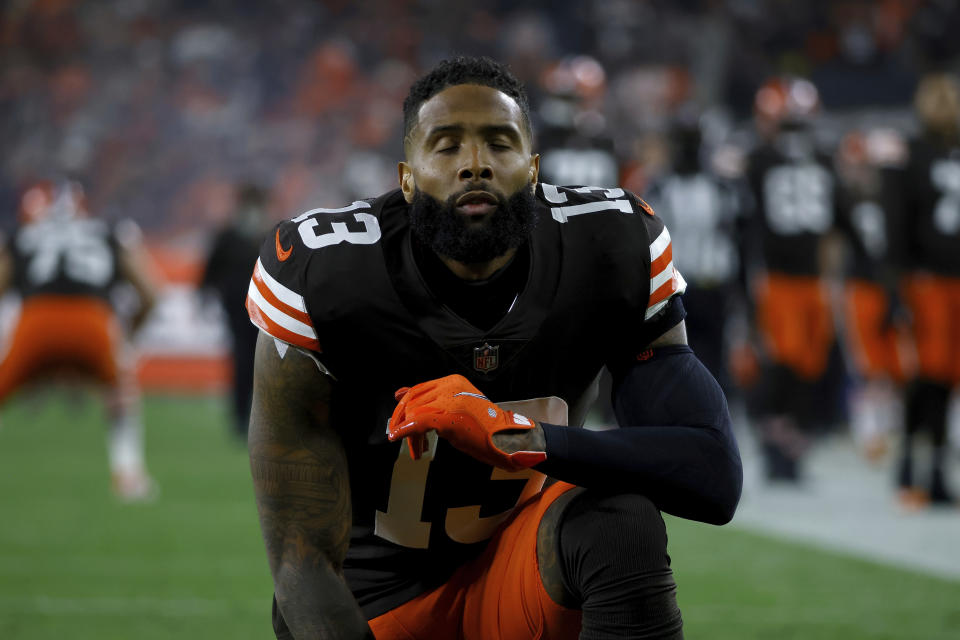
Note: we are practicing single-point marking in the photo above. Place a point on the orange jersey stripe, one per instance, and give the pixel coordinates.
(268, 295)
(658, 265)
(261, 320)
(665, 290)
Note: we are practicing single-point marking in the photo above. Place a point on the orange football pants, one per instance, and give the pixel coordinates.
(498, 596)
(61, 333)
(878, 350)
(793, 314)
(934, 303)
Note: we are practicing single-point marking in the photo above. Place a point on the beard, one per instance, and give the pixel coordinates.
(437, 225)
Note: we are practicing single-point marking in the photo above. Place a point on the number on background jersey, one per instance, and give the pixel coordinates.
(798, 199)
(562, 214)
(78, 247)
(945, 176)
(694, 209)
(340, 233)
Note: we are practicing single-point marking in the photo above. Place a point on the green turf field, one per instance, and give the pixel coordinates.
(75, 564)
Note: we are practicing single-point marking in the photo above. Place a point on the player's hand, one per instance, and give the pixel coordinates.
(460, 414)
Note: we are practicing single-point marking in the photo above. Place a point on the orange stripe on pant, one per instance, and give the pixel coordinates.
(61, 332)
(793, 312)
(935, 306)
(498, 596)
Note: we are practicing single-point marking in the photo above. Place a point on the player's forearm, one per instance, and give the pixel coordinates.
(676, 444)
(690, 472)
(316, 603)
(303, 503)
(305, 520)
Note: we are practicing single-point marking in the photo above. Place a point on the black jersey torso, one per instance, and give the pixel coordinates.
(930, 209)
(381, 326)
(796, 203)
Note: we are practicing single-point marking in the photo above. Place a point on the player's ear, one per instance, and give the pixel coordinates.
(407, 183)
(534, 173)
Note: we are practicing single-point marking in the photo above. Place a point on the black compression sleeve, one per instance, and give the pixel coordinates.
(675, 445)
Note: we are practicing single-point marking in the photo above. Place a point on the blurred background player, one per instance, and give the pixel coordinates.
(64, 264)
(926, 202)
(706, 212)
(576, 146)
(875, 320)
(235, 248)
(795, 195)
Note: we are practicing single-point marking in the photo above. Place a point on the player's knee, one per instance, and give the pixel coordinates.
(613, 550)
(610, 538)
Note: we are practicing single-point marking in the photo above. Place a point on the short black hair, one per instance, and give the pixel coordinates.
(464, 70)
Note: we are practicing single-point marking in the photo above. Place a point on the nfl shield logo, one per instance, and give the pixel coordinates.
(486, 358)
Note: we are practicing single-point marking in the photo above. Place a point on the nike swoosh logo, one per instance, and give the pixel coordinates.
(282, 254)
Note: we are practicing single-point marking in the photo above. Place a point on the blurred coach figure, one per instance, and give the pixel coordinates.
(227, 273)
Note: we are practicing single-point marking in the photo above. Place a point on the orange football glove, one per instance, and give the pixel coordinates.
(460, 414)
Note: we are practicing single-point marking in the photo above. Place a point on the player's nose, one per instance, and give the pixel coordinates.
(475, 166)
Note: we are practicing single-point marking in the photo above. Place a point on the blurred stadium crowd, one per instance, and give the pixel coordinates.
(160, 107)
(168, 111)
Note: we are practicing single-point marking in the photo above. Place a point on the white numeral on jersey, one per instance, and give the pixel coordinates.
(554, 195)
(945, 175)
(465, 525)
(340, 233)
(611, 193)
(76, 246)
(402, 524)
(357, 204)
(562, 214)
(798, 199)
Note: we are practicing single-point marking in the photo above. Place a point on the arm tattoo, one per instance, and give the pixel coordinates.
(302, 490)
(298, 465)
(304, 506)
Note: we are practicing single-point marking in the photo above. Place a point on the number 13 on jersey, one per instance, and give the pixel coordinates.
(401, 523)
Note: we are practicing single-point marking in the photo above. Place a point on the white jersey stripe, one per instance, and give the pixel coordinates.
(283, 294)
(282, 319)
(658, 246)
(679, 286)
(662, 278)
